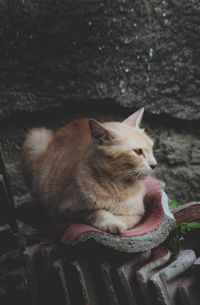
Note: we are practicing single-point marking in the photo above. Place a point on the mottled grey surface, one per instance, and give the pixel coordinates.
(67, 55)
(138, 53)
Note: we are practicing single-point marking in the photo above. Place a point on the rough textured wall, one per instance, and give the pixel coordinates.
(136, 52)
(62, 53)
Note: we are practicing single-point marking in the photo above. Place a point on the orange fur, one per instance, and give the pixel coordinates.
(90, 171)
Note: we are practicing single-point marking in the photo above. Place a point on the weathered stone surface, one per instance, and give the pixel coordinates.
(30, 257)
(127, 275)
(62, 291)
(138, 53)
(38, 260)
(166, 281)
(159, 258)
(189, 291)
(105, 272)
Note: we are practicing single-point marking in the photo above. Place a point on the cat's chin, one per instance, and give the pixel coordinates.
(131, 180)
(144, 176)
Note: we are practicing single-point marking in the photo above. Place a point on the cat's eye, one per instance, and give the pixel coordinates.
(139, 152)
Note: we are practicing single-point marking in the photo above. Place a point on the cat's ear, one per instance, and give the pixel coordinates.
(99, 132)
(135, 119)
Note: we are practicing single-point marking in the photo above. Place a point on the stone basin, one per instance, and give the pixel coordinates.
(148, 234)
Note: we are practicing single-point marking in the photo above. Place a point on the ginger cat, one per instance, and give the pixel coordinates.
(90, 171)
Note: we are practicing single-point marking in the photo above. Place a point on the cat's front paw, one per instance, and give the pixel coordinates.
(114, 227)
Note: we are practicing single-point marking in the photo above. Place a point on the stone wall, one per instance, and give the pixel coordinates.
(63, 59)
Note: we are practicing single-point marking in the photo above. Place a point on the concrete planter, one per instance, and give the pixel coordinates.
(151, 232)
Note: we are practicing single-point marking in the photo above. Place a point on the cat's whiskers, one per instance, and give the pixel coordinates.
(128, 174)
(139, 173)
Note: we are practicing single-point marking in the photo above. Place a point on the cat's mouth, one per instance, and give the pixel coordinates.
(144, 172)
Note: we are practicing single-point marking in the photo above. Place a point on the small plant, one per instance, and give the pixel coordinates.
(178, 236)
(174, 204)
(180, 231)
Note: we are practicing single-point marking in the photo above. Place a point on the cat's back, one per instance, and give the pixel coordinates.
(74, 135)
(71, 141)
(55, 168)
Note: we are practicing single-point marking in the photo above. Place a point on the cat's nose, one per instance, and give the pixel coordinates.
(153, 166)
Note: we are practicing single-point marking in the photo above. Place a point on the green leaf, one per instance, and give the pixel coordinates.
(177, 236)
(183, 226)
(174, 204)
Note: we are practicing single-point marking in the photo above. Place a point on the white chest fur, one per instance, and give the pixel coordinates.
(113, 199)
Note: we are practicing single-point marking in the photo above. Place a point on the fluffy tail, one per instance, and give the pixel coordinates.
(36, 142)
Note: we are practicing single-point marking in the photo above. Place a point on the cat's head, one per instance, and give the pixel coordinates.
(123, 150)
